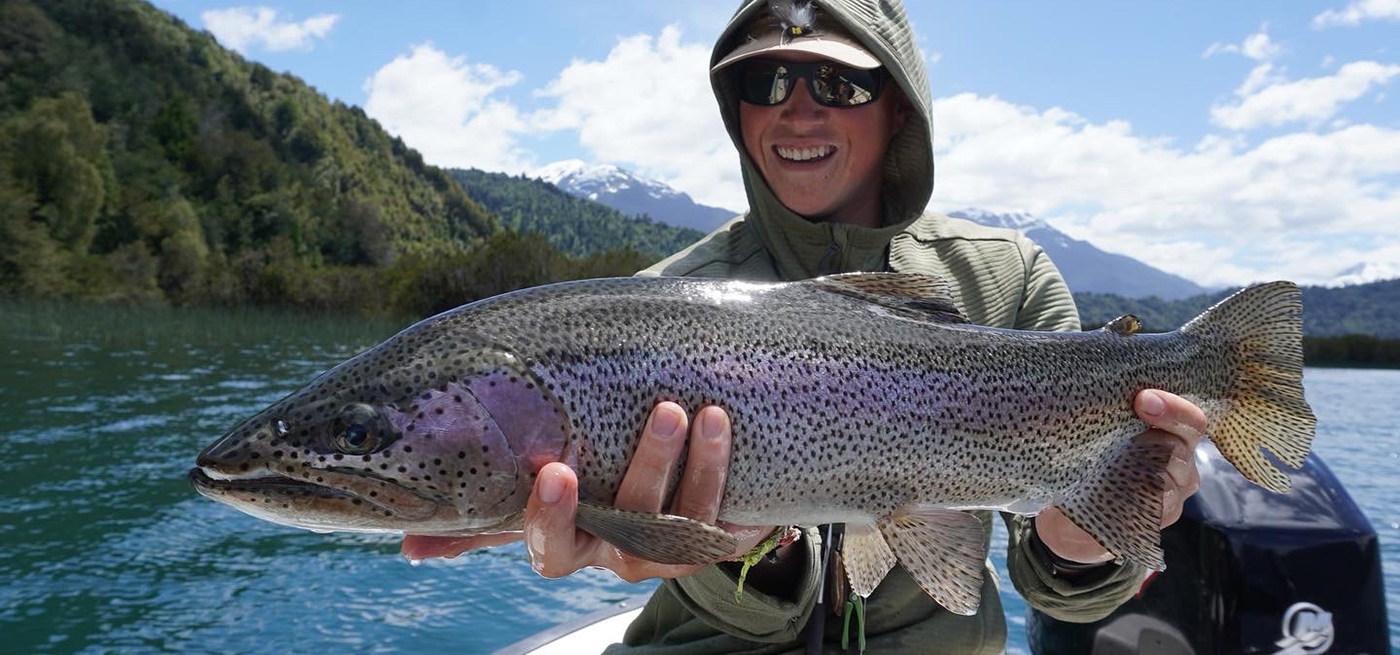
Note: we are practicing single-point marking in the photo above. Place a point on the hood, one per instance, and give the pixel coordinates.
(801, 248)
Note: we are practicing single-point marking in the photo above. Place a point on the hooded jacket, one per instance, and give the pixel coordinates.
(998, 277)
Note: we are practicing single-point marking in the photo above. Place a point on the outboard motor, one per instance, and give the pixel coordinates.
(1248, 571)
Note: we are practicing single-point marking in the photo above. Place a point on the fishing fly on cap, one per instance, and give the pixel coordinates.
(791, 26)
(795, 18)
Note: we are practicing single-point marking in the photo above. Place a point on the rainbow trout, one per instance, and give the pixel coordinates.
(864, 399)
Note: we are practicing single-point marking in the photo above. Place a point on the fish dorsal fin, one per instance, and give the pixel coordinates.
(912, 295)
(1124, 326)
(943, 550)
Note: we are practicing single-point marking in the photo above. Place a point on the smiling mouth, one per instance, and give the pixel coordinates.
(804, 154)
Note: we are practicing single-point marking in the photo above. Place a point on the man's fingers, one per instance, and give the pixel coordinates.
(706, 466)
(416, 547)
(1182, 479)
(644, 486)
(1171, 506)
(550, 537)
(1170, 412)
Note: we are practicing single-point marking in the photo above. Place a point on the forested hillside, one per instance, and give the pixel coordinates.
(1348, 325)
(576, 226)
(140, 160)
(1372, 309)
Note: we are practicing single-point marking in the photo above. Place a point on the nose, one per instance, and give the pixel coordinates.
(800, 105)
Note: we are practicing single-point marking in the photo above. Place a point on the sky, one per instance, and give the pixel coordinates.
(1224, 142)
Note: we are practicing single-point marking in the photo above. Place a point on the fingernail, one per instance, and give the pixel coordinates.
(666, 423)
(711, 425)
(551, 488)
(1153, 404)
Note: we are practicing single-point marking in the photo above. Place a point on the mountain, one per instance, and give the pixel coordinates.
(577, 226)
(1087, 268)
(1365, 272)
(632, 194)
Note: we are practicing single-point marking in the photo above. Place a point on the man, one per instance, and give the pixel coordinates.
(830, 110)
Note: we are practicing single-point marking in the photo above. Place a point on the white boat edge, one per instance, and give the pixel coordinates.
(590, 633)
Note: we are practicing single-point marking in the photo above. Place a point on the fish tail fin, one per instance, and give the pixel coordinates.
(1263, 329)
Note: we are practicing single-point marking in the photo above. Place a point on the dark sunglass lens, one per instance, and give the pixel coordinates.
(766, 84)
(844, 87)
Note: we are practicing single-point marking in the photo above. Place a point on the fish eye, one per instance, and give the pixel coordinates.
(359, 430)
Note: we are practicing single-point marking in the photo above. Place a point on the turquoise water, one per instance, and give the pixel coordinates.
(104, 547)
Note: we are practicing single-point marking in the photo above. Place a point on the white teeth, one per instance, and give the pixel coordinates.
(804, 154)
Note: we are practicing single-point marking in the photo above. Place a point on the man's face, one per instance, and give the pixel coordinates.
(842, 181)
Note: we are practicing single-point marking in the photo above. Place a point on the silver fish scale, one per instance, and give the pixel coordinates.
(840, 410)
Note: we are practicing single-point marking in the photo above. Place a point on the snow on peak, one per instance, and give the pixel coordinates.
(582, 178)
(1365, 272)
(1014, 220)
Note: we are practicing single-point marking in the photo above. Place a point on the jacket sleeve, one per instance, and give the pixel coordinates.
(1092, 595)
(698, 613)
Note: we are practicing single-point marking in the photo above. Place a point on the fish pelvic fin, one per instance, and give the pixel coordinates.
(661, 538)
(1263, 329)
(911, 295)
(944, 551)
(1121, 506)
(867, 558)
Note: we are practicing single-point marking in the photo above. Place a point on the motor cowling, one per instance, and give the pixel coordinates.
(1248, 571)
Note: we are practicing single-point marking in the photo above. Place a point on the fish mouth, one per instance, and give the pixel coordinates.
(203, 482)
(330, 485)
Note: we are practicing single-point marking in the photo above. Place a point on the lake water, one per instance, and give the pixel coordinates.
(105, 548)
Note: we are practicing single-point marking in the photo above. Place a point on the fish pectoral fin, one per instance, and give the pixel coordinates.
(1121, 507)
(867, 558)
(660, 538)
(912, 295)
(945, 551)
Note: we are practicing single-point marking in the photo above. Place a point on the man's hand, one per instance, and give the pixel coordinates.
(1175, 422)
(557, 549)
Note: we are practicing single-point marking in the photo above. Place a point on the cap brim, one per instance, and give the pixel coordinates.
(829, 46)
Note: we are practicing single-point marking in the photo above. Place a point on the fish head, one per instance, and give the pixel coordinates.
(416, 440)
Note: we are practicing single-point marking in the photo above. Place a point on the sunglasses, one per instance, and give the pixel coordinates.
(769, 82)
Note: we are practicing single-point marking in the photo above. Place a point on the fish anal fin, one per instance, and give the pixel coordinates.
(945, 551)
(1124, 326)
(867, 558)
(913, 295)
(661, 538)
(1121, 507)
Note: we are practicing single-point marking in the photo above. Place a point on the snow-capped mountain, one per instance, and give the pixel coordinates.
(1364, 273)
(631, 194)
(1085, 267)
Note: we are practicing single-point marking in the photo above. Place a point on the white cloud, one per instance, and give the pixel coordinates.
(1256, 46)
(1274, 102)
(648, 107)
(1218, 212)
(442, 107)
(1358, 11)
(1227, 209)
(241, 28)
